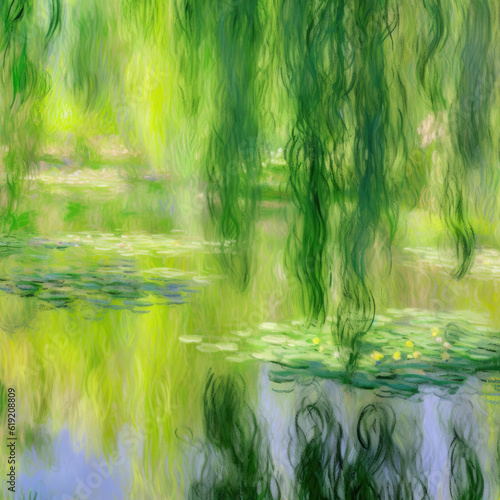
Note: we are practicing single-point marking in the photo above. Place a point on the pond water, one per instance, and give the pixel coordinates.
(140, 371)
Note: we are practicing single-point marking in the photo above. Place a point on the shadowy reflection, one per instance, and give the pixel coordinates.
(374, 432)
(237, 461)
(319, 459)
(342, 443)
(466, 481)
(381, 459)
(466, 478)
(383, 469)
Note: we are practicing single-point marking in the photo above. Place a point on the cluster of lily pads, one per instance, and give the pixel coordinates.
(420, 345)
(51, 270)
(397, 356)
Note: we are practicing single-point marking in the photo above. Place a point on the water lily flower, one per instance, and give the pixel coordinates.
(397, 356)
(409, 356)
(321, 348)
(438, 339)
(336, 354)
(446, 345)
(435, 331)
(409, 343)
(377, 356)
(417, 354)
(316, 340)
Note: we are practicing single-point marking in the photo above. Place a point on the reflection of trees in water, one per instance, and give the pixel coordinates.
(374, 462)
(319, 460)
(237, 462)
(466, 478)
(466, 481)
(371, 450)
(382, 467)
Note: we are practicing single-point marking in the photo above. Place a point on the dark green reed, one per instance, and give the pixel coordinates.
(190, 27)
(225, 40)
(371, 214)
(430, 40)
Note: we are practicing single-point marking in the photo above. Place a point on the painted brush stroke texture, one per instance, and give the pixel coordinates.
(250, 249)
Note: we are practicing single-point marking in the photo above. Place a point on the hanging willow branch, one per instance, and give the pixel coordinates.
(379, 144)
(470, 125)
(24, 84)
(316, 64)
(230, 35)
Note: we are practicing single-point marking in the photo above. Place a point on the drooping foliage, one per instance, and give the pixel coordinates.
(316, 62)
(345, 89)
(27, 29)
(470, 127)
(372, 210)
(224, 39)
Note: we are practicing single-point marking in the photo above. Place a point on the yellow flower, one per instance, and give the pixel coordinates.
(409, 343)
(397, 356)
(445, 356)
(316, 340)
(417, 354)
(321, 348)
(377, 356)
(409, 356)
(435, 331)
